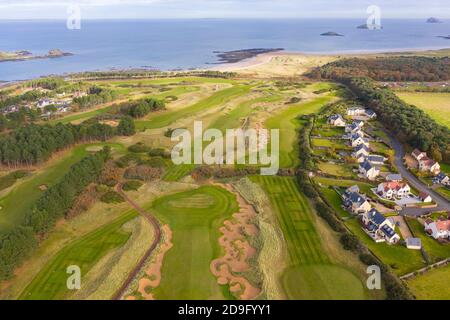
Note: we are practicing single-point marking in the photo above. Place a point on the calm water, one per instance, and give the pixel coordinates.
(170, 44)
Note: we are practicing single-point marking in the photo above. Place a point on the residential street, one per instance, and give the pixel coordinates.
(443, 204)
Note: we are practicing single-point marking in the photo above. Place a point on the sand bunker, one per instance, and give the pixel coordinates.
(237, 250)
(152, 277)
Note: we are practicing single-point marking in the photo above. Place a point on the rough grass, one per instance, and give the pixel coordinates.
(436, 105)
(50, 283)
(176, 172)
(288, 123)
(311, 273)
(432, 285)
(186, 269)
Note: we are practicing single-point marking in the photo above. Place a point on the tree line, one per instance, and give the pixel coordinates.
(402, 68)
(95, 96)
(54, 203)
(142, 107)
(33, 144)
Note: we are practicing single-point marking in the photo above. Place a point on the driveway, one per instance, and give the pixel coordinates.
(443, 203)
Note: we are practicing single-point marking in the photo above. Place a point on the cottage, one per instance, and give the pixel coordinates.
(354, 127)
(355, 202)
(376, 159)
(357, 140)
(356, 111)
(378, 227)
(426, 164)
(42, 103)
(371, 114)
(442, 178)
(425, 197)
(393, 190)
(418, 155)
(438, 229)
(360, 150)
(336, 120)
(369, 171)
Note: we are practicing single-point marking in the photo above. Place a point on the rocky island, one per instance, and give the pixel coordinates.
(239, 55)
(26, 55)
(433, 20)
(331, 34)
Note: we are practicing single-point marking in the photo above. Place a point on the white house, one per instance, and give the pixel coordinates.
(418, 155)
(426, 164)
(360, 150)
(336, 120)
(354, 201)
(369, 171)
(442, 178)
(43, 103)
(376, 159)
(414, 243)
(353, 128)
(357, 140)
(356, 111)
(371, 114)
(378, 227)
(394, 177)
(438, 229)
(393, 190)
(425, 197)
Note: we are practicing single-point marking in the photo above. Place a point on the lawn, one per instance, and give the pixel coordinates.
(50, 282)
(432, 285)
(195, 218)
(364, 187)
(335, 200)
(21, 198)
(310, 273)
(399, 258)
(165, 118)
(339, 170)
(176, 172)
(434, 249)
(436, 105)
(288, 124)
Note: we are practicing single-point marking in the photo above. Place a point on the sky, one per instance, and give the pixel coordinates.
(157, 9)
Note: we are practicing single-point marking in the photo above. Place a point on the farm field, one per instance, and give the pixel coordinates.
(194, 218)
(311, 274)
(433, 285)
(50, 283)
(436, 105)
(286, 120)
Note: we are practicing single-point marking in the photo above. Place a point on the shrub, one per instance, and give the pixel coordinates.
(132, 185)
(111, 197)
(142, 172)
(350, 242)
(139, 147)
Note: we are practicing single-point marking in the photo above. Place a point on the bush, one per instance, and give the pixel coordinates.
(139, 147)
(132, 185)
(159, 152)
(350, 242)
(111, 197)
(142, 172)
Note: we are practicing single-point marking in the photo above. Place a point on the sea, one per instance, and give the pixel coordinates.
(184, 44)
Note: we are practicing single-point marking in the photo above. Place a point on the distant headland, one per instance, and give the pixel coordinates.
(239, 55)
(434, 20)
(331, 34)
(26, 55)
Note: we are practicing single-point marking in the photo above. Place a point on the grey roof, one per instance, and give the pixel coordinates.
(388, 231)
(335, 117)
(417, 242)
(441, 176)
(370, 112)
(366, 165)
(394, 177)
(376, 217)
(354, 188)
(375, 158)
(361, 146)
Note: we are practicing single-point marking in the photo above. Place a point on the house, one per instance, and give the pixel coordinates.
(427, 164)
(439, 229)
(356, 111)
(10, 109)
(418, 155)
(359, 123)
(360, 158)
(414, 243)
(378, 227)
(425, 197)
(393, 190)
(442, 178)
(42, 103)
(336, 120)
(354, 127)
(355, 202)
(369, 171)
(360, 150)
(357, 140)
(394, 177)
(376, 159)
(371, 114)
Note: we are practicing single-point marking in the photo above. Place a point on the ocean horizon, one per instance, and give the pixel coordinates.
(173, 44)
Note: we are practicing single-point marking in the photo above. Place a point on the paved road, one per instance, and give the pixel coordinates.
(154, 222)
(443, 203)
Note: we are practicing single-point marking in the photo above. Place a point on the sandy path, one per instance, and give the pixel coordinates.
(152, 220)
(237, 250)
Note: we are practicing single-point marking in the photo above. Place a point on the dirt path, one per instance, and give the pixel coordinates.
(154, 222)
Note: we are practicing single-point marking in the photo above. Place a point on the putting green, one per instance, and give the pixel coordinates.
(195, 218)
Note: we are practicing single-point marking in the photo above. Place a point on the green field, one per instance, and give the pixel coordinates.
(195, 218)
(436, 105)
(288, 124)
(364, 187)
(311, 274)
(432, 285)
(21, 198)
(164, 119)
(50, 282)
(176, 172)
(339, 170)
